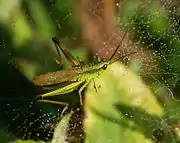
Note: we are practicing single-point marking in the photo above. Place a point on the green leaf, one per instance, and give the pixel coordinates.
(60, 131)
(120, 93)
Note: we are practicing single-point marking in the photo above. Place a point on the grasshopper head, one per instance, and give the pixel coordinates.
(102, 66)
(98, 67)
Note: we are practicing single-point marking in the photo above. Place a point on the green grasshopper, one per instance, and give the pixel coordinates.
(76, 77)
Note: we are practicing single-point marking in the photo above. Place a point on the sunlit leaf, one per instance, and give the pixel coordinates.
(104, 122)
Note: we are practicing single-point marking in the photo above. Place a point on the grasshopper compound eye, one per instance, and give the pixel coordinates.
(104, 67)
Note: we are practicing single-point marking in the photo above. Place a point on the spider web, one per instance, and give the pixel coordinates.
(157, 51)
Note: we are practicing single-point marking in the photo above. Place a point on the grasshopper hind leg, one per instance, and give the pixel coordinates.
(66, 105)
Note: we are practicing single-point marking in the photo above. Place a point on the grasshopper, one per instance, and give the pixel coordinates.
(76, 77)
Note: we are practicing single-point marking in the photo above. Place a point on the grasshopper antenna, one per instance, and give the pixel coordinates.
(118, 45)
(118, 48)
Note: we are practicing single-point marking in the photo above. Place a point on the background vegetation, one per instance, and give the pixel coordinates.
(134, 103)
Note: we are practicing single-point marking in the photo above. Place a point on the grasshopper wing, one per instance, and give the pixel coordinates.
(55, 78)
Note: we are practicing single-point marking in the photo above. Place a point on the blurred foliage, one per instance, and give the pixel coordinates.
(129, 105)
